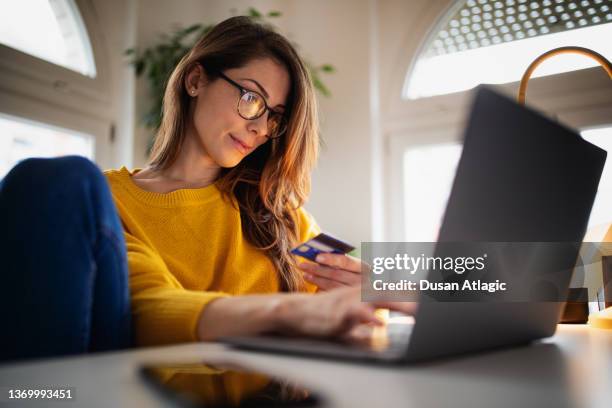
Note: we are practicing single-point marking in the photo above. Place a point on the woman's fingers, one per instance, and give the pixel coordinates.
(340, 261)
(364, 313)
(322, 283)
(409, 308)
(354, 313)
(342, 276)
(337, 312)
(333, 270)
(359, 316)
(354, 310)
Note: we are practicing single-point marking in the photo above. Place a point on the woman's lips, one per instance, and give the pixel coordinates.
(243, 148)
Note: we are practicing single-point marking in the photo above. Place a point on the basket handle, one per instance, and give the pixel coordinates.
(562, 50)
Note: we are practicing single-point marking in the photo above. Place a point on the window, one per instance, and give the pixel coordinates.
(429, 172)
(49, 83)
(602, 208)
(51, 30)
(20, 139)
(487, 41)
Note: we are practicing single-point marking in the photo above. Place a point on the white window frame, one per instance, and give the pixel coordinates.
(41, 91)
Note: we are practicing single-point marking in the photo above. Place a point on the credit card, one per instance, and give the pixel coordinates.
(322, 243)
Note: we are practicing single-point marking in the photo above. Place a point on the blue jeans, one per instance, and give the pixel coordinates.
(62, 260)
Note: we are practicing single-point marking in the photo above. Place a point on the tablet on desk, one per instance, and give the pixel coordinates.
(206, 385)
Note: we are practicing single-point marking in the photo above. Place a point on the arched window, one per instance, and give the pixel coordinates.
(51, 30)
(490, 41)
(54, 99)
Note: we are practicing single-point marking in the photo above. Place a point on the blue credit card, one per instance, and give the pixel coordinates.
(322, 243)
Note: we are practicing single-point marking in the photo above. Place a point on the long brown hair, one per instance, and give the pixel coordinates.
(272, 182)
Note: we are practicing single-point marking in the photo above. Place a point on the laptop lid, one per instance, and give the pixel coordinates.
(521, 178)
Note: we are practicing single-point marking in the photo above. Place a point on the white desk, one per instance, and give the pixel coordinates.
(574, 368)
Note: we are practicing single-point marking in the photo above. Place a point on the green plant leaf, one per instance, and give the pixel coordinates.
(274, 13)
(319, 85)
(139, 67)
(328, 68)
(253, 12)
(192, 29)
(152, 119)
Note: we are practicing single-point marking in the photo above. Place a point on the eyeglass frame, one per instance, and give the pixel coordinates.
(243, 91)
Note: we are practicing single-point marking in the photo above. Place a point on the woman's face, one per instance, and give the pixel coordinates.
(218, 128)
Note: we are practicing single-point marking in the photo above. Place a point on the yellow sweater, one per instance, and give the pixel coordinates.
(186, 248)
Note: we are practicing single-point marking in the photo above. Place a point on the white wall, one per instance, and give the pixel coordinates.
(339, 32)
(116, 24)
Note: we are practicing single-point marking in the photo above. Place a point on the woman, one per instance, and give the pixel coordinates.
(210, 222)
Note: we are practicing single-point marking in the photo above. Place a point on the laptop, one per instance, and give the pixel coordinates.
(521, 178)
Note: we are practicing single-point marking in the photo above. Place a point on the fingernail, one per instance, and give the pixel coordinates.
(305, 265)
(321, 258)
(307, 276)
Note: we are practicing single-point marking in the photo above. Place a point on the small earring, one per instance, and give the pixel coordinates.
(193, 91)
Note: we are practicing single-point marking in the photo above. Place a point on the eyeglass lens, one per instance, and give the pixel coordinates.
(252, 106)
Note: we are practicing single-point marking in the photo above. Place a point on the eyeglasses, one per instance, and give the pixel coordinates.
(252, 105)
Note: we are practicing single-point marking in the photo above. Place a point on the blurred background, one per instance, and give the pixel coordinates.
(395, 83)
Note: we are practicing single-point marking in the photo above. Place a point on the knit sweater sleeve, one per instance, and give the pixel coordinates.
(307, 225)
(163, 311)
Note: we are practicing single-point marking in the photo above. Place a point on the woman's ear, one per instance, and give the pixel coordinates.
(194, 80)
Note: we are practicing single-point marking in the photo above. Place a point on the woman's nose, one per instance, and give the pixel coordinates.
(259, 126)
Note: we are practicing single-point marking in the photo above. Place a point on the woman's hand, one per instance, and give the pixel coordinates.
(333, 271)
(332, 313)
(325, 314)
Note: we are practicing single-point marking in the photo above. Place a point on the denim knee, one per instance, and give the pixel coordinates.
(54, 173)
(72, 184)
